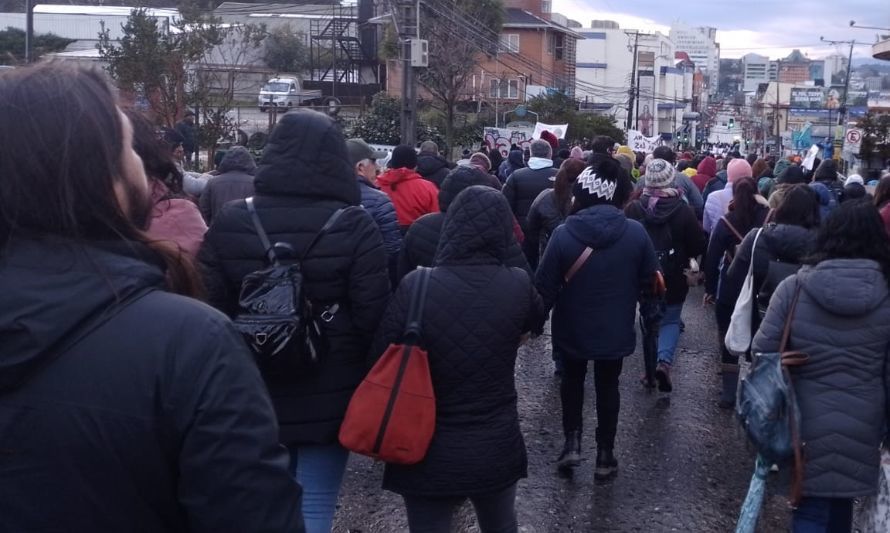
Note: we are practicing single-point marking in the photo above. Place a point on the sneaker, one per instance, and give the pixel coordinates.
(571, 452)
(606, 465)
(663, 377)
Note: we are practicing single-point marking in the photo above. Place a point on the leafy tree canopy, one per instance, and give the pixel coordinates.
(12, 45)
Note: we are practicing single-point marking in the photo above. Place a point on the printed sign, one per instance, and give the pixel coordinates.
(808, 97)
(852, 140)
(558, 129)
(640, 143)
(503, 138)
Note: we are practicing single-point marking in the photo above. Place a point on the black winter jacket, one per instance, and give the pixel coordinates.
(686, 235)
(476, 310)
(144, 415)
(543, 219)
(235, 182)
(433, 167)
(521, 189)
(380, 207)
(724, 240)
(594, 314)
(422, 239)
(303, 178)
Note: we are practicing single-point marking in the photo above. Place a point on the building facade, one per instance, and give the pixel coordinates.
(700, 43)
(756, 70)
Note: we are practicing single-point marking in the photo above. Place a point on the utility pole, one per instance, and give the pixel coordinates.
(776, 120)
(408, 25)
(29, 30)
(841, 130)
(633, 78)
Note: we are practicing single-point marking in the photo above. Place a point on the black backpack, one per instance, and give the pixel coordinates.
(669, 260)
(276, 319)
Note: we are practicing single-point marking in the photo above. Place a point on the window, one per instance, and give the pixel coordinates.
(508, 89)
(510, 42)
(546, 6)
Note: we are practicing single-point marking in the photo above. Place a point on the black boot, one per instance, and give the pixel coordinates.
(606, 465)
(730, 384)
(571, 451)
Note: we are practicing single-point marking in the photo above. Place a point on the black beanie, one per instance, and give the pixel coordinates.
(403, 157)
(827, 171)
(598, 184)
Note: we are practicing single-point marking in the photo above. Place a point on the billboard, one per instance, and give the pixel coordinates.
(808, 97)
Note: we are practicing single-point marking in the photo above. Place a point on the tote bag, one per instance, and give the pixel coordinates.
(738, 336)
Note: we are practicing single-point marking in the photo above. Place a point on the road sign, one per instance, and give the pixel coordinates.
(852, 140)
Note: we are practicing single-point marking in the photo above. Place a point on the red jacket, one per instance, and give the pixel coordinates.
(707, 169)
(411, 195)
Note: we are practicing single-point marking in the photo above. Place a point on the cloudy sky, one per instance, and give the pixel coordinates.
(767, 27)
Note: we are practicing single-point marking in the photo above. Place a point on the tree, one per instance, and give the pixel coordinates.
(12, 45)
(382, 123)
(560, 108)
(456, 49)
(875, 137)
(286, 50)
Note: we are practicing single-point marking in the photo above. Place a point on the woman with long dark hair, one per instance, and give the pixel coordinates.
(842, 323)
(175, 219)
(142, 407)
(746, 212)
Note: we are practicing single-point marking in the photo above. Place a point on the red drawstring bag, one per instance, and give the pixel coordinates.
(392, 415)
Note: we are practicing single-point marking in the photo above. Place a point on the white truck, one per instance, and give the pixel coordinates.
(285, 93)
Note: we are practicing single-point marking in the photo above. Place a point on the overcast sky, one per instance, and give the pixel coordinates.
(768, 27)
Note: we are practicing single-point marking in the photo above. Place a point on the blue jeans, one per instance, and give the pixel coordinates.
(669, 333)
(823, 515)
(319, 470)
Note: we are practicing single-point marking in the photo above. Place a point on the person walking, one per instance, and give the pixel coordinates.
(125, 403)
(525, 184)
(717, 204)
(592, 275)
(422, 239)
(476, 311)
(304, 178)
(745, 214)
(550, 209)
(431, 165)
(677, 237)
(188, 137)
(234, 181)
(363, 158)
(706, 171)
(513, 163)
(411, 195)
(175, 219)
(838, 306)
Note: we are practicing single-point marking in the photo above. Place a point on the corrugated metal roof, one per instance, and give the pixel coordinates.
(109, 11)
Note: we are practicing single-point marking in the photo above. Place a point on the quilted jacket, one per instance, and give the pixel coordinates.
(422, 239)
(521, 189)
(433, 167)
(411, 195)
(303, 178)
(543, 219)
(380, 207)
(476, 310)
(842, 322)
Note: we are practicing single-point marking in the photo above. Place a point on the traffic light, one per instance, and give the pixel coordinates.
(731, 122)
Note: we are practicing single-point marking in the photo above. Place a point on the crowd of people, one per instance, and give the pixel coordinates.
(129, 399)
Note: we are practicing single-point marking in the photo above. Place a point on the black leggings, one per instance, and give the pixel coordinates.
(496, 512)
(608, 398)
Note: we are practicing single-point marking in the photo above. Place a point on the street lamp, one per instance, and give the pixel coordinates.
(853, 25)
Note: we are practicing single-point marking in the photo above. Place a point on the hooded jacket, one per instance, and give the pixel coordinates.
(724, 239)
(126, 408)
(175, 220)
(422, 239)
(476, 310)
(304, 177)
(707, 170)
(521, 189)
(686, 235)
(234, 182)
(594, 313)
(411, 195)
(842, 322)
(543, 219)
(828, 201)
(513, 163)
(433, 167)
(717, 183)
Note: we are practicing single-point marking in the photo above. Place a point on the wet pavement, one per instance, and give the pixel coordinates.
(684, 463)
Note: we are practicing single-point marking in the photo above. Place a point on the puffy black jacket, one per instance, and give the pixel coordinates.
(594, 314)
(433, 167)
(686, 235)
(422, 239)
(146, 415)
(543, 219)
(303, 178)
(476, 310)
(723, 240)
(380, 207)
(235, 182)
(521, 189)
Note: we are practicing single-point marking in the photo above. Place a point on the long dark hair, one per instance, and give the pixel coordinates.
(882, 191)
(62, 157)
(854, 230)
(157, 158)
(744, 204)
(565, 179)
(799, 207)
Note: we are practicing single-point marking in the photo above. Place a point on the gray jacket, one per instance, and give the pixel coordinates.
(842, 322)
(235, 182)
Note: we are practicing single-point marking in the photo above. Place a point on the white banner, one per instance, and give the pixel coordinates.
(639, 143)
(503, 138)
(810, 160)
(556, 129)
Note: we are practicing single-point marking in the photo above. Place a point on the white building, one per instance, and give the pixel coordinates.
(700, 43)
(605, 74)
(756, 70)
(834, 65)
